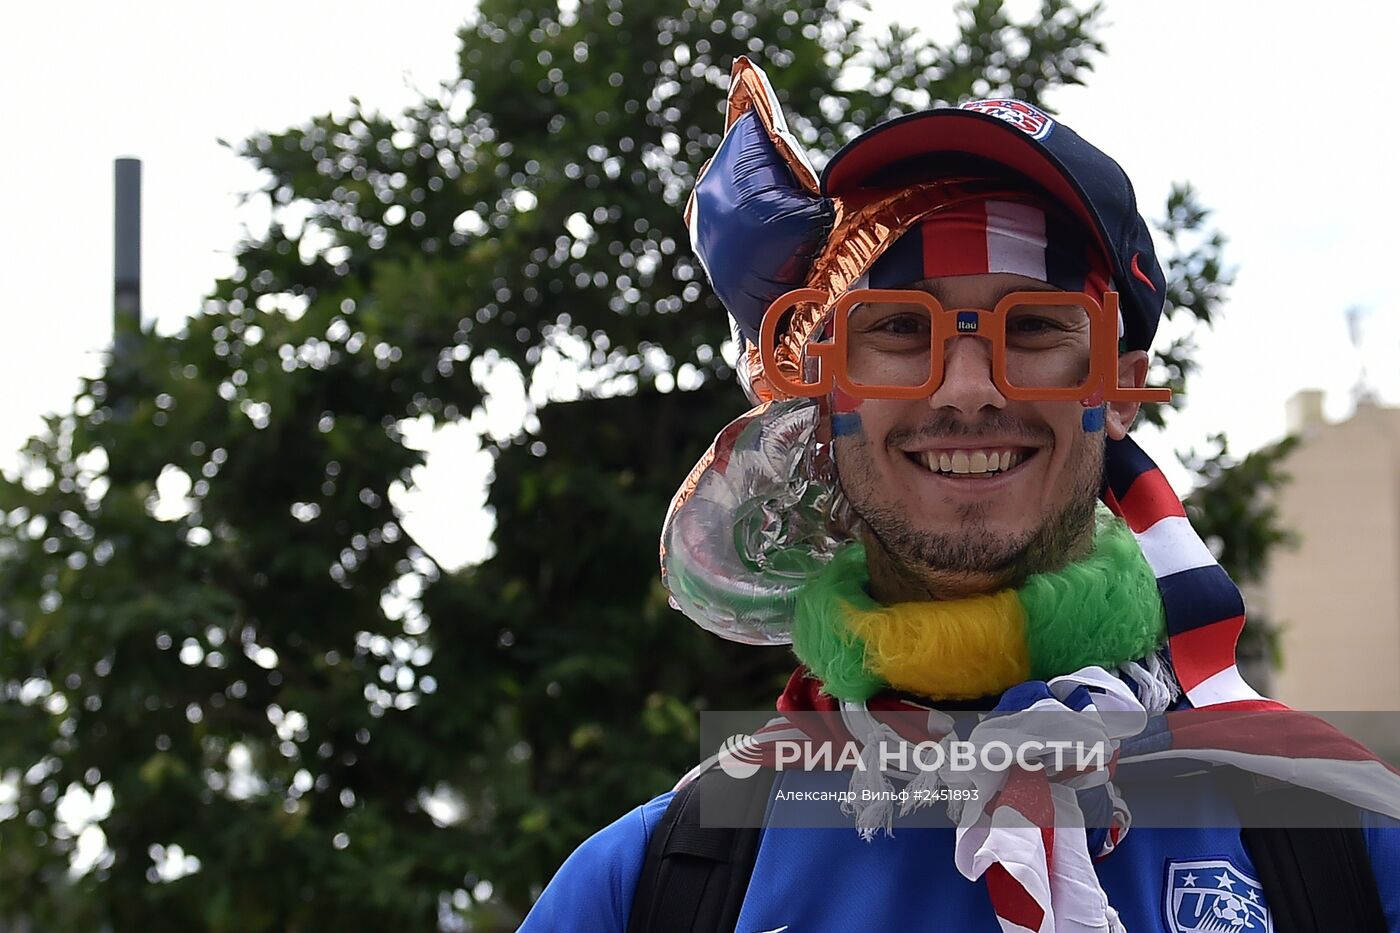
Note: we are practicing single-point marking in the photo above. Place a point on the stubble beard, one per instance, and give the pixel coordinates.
(971, 550)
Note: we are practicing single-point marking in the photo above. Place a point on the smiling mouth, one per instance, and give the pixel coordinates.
(972, 462)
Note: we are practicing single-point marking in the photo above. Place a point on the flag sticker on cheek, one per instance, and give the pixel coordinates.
(846, 424)
(845, 419)
(843, 401)
(1093, 420)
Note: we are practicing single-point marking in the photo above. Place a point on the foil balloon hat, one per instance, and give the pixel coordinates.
(794, 256)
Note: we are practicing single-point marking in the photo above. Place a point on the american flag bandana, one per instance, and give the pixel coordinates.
(994, 235)
(1024, 834)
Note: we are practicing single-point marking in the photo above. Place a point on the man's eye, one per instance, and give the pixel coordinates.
(903, 324)
(1032, 325)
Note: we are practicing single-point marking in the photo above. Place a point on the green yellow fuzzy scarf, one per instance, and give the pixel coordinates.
(1103, 610)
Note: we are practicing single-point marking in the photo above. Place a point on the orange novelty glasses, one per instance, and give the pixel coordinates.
(891, 343)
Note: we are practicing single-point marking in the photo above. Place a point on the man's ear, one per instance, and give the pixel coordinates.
(1132, 373)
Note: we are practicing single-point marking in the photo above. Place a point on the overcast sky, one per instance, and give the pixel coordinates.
(1280, 118)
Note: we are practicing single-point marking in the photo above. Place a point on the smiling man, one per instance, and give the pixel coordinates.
(964, 491)
(937, 503)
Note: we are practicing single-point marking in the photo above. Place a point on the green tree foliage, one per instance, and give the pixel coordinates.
(589, 683)
(216, 642)
(1197, 281)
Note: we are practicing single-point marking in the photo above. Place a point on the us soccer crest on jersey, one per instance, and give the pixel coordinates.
(1212, 895)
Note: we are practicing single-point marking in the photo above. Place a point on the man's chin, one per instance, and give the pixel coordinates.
(979, 543)
(912, 561)
(924, 565)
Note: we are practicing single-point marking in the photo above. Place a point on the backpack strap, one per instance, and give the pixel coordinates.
(695, 874)
(1316, 879)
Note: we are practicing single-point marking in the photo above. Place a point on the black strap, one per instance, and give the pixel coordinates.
(1316, 879)
(695, 874)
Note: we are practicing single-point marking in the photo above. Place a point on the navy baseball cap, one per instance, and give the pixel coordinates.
(1021, 138)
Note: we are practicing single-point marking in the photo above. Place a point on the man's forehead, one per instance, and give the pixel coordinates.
(950, 289)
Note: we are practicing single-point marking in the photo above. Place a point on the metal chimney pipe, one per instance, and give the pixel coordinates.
(126, 292)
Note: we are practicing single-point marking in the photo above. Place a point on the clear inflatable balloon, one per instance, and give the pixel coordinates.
(758, 515)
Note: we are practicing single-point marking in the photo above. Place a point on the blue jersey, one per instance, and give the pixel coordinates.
(827, 880)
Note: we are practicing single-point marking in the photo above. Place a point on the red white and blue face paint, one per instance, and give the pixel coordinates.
(845, 414)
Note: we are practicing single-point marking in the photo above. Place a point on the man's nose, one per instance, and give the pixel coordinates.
(967, 377)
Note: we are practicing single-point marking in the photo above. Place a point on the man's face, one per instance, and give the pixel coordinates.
(976, 527)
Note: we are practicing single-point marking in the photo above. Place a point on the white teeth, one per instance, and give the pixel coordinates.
(977, 462)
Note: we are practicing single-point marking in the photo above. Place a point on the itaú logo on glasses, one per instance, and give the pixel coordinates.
(889, 343)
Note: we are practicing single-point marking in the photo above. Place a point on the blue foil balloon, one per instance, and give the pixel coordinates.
(756, 230)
